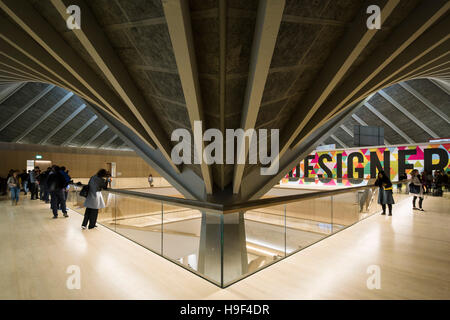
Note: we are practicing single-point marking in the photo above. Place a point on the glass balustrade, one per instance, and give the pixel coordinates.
(224, 245)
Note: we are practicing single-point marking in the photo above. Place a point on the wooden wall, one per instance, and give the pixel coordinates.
(82, 163)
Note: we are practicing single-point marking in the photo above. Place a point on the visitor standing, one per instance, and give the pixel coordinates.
(416, 188)
(150, 180)
(94, 200)
(385, 196)
(34, 189)
(56, 185)
(14, 187)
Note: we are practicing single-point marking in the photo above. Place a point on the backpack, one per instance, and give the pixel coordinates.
(84, 191)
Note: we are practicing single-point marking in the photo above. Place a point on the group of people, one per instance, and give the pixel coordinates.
(52, 186)
(419, 185)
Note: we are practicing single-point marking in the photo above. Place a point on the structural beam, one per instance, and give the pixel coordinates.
(349, 132)
(52, 52)
(388, 122)
(9, 91)
(80, 130)
(27, 106)
(222, 79)
(441, 86)
(97, 45)
(256, 185)
(425, 101)
(407, 114)
(268, 20)
(338, 140)
(62, 124)
(382, 64)
(107, 143)
(180, 31)
(344, 56)
(95, 136)
(187, 182)
(44, 116)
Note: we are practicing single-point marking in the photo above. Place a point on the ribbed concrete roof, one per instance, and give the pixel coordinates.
(294, 65)
(25, 106)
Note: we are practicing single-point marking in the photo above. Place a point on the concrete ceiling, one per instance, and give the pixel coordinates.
(147, 67)
(38, 113)
(426, 100)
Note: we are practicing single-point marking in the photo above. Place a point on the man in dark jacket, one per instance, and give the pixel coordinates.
(42, 178)
(24, 181)
(56, 183)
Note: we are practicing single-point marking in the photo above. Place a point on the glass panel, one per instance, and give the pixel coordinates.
(346, 209)
(107, 215)
(371, 205)
(200, 249)
(307, 221)
(181, 235)
(252, 240)
(224, 248)
(137, 218)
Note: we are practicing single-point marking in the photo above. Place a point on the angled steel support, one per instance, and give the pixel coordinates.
(44, 116)
(268, 21)
(356, 39)
(441, 86)
(425, 101)
(349, 132)
(95, 136)
(26, 106)
(179, 24)
(80, 130)
(187, 182)
(256, 185)
(107, 143)
(97, 45)
(359, 120)
(49, 49)
(339, 141)
(408, 114)
(10, 90)
(388, 122)
(414, 37)
(62, 124)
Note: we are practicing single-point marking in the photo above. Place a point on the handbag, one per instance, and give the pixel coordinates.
(84, 191)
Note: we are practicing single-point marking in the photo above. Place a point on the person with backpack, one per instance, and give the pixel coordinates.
(417, 189)
(14, 187)
(24, 181)
(33, 184)
(94, 199)
(385, 196)
(68, 179)
(56, 185)
(43, 185)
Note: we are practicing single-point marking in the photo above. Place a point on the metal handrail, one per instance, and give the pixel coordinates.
(241, 206)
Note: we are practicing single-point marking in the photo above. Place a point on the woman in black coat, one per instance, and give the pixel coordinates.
(385, 196)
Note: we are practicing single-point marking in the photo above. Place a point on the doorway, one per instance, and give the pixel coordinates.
(42, 164)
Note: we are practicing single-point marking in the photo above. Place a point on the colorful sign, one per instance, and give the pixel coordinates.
(364, 163)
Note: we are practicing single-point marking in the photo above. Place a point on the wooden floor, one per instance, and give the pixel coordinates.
(412, 250)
